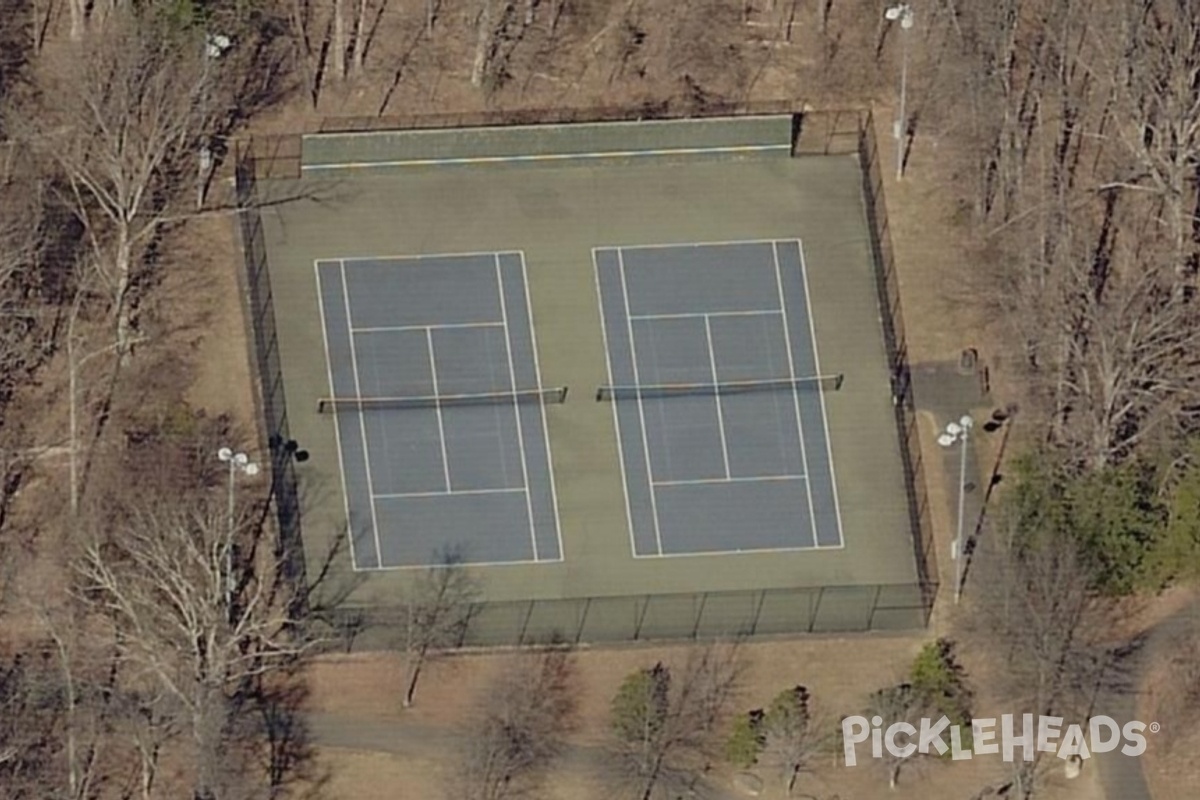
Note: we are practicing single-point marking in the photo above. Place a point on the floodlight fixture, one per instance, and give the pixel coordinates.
(238, 462)
(903, 13)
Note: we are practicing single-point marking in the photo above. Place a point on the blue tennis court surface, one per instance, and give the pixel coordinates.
(718, 472)
(422, 483)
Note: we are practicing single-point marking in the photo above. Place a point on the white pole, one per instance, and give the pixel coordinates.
(229, 542)
(901, 124)
(960, 556)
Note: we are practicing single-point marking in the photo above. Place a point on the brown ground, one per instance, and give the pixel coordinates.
(362, 691)
(1172, 763)
(222, 379)
(1171, 766)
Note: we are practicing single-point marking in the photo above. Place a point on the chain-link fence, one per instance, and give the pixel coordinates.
(640, 617)
(553, 116)
(897, 350)
(271, 397)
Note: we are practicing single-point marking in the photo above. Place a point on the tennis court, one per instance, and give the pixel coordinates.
(717, 396)
(742, 471)
(439, 404)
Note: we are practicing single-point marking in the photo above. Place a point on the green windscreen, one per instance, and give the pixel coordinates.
(548, 142)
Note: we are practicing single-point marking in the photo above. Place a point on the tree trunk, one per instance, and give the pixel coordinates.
(77, 18)
(652, 778)
(208, 731)
(414, 675)
(824, 9)
(360, 31)
(483, 40)
(339, 40)
(73, 426)
(124, 266)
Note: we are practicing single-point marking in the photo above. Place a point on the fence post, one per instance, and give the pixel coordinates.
(699, 614)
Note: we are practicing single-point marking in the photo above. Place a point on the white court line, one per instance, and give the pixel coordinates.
(452, 493)
(712, 365)
(694, 314)
(637, 381)
(734, 479)
(432, 256)
(438, 410)
(616, 416)
(472, 564)
(538, 126)
(539, 158)
(337, 428)
(537, 371)
(837, 509)
(756, 551)
(512, 382)
(362, 420)
(787, 340)
(682, 245)
(448, 325)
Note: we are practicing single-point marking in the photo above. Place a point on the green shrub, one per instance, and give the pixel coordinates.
(746, 740)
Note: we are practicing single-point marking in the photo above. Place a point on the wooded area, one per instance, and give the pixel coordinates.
(149, 644)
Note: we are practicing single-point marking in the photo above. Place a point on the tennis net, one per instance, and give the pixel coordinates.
(826, 383)
(552, 395)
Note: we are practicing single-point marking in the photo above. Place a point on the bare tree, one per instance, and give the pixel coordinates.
(1034, 611)
(665, 722)
(1154, 69)
(899, 703)
(1086, 125)
(30, 725)
(23, 241)
(792, 736)
(439, 609)
(1038, 615)
(126, 115)
(180, 617)
(518, 728)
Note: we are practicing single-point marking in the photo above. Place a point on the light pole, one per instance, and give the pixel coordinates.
(215, 45)
(959, 433)
(904, 13)
(238, 462)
